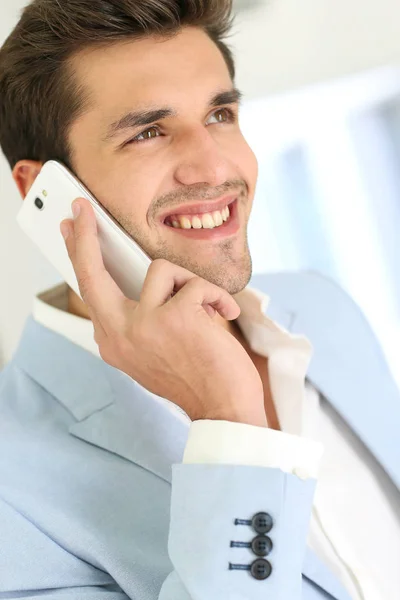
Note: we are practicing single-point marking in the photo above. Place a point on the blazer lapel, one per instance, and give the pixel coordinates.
(139, 426)
(112, 411)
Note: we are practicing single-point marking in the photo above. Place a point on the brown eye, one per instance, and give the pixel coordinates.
(222, 115)
(146, 135)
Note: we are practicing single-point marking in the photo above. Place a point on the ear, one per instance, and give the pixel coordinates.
(25, 173)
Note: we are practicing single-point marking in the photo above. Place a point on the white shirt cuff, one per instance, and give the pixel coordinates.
(226, 442)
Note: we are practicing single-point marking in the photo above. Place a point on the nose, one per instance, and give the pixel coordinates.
(202, 160)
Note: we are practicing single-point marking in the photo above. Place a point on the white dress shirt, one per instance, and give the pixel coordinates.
(355, 524)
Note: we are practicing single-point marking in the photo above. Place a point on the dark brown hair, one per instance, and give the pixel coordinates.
(39, 96)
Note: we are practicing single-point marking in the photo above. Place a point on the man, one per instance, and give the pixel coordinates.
(170, 448)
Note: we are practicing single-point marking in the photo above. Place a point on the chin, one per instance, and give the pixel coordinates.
(234, 284)
(232, 278)
(228, 274)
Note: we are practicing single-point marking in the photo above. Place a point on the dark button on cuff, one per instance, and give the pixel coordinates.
(261, 545)
(261, 569)
(262, 522)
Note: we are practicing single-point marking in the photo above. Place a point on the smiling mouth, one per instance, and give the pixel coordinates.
(188, 226)
(209, 220)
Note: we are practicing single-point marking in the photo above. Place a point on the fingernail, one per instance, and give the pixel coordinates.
(64, 230)
(76, 209)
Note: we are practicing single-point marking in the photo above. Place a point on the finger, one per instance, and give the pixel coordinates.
(67, 230)
(162, 280)
(99, 291)
(201, 293)
(165, 279)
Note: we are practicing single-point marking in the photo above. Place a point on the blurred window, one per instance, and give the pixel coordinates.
(328, 194)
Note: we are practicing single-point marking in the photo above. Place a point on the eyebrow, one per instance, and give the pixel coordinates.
(146, 117)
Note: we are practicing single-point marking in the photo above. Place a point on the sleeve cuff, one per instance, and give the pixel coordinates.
(225, 442)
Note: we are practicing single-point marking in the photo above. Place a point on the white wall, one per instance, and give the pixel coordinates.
(327, 194)
(279, 46)
(285, 44)
(19, 263)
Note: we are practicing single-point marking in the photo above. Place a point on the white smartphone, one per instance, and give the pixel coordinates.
(48, 202)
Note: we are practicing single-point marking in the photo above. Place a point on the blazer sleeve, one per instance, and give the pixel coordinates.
(220, 516)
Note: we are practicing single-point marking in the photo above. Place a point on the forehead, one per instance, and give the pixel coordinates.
(188, 66)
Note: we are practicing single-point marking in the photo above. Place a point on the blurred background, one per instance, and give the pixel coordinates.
(322, 112)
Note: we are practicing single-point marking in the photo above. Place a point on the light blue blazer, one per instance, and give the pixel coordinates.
(95, 503)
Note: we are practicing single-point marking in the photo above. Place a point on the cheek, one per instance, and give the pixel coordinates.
(127, 196)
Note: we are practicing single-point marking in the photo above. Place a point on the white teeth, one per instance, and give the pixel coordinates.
(217, 217)
(205, 221)
(196, 223)
(185, 223)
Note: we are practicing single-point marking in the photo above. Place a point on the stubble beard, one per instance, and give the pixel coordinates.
(232, 271)
(230, 268)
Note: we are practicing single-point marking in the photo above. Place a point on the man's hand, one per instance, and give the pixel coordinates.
(168, 341)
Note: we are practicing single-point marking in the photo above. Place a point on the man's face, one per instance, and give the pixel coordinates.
(185, 163)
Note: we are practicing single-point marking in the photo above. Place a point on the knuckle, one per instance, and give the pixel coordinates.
(113, 349)
(78, 233)
(85, 281)
(158, 264)
(197, 284)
